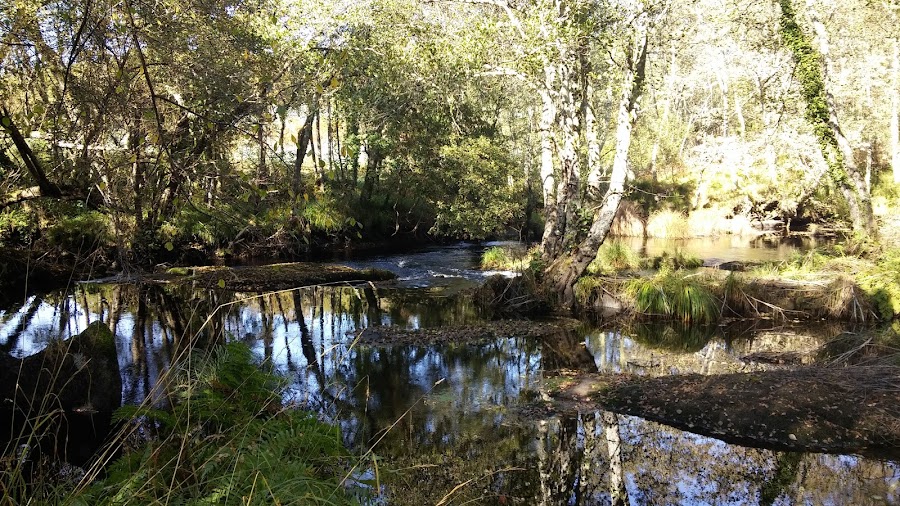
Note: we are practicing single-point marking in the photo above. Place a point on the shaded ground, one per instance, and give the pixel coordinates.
(265, 278)
(820, 409)
(480, 332)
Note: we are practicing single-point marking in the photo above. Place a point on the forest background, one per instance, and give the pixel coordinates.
(135, 133)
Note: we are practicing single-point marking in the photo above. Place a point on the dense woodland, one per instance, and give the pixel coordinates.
(150, 135)
(138, 132)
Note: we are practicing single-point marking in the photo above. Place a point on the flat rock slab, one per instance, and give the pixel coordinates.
(469, 334)
(819, 409)
(263, 278)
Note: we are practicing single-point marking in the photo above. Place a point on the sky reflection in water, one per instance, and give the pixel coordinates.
(448, 414)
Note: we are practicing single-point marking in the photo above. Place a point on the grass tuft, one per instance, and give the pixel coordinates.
(227, 439)
(675, 294)
(614, 256)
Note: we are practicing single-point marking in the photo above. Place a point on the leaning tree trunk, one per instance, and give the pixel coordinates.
(566, 270)
(820, 112)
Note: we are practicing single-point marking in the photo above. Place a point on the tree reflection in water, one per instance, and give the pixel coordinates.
(455, 422)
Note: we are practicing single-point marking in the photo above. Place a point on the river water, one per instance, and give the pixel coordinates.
(454, 422)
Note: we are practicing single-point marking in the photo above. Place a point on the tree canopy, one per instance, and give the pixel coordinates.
(231, 127)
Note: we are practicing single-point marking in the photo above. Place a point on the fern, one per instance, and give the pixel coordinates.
(227, 440)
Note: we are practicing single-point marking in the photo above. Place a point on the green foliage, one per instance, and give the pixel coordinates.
(614, 256)
(495, 258)
(812, 84)
(686, 297)
(483, 196)
(653, 195)
(82, 232)
(500, 258)
(675, 261)
(587, 288)
(323, 216)
(227, 440)
(881, 282)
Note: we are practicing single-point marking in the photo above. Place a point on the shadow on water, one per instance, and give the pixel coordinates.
(455, 421)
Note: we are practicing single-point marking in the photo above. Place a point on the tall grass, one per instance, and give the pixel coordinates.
(614, 256)
(674, 294)
(217, 429)
(500, 258)
(666, 224)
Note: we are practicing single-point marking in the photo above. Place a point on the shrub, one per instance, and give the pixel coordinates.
(80, 233)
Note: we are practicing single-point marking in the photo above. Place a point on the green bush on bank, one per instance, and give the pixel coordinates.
(881, 281)
(614, 256)
(674, 294)
(228, 439)
(81, 232)
(500, 258)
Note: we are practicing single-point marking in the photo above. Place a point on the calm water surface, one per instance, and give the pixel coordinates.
(454, 422)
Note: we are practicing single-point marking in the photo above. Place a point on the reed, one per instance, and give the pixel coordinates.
(666, 224)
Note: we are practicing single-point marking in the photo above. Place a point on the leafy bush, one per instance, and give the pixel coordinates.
(484, 192)
(83, 232)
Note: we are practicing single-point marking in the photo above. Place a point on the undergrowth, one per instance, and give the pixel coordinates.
(227, 439)
(500, 258)
(853, 266)
(614, 256)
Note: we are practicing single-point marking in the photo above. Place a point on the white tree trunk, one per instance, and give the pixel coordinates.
(895, 112)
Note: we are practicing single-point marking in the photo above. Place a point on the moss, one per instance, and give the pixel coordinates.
(180, 271)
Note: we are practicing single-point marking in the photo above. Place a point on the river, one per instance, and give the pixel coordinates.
(457, 422)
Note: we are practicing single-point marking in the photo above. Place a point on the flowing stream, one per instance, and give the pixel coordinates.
(455, 422)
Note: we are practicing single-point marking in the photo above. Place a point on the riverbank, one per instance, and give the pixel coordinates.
(819, 409)
(272, 277)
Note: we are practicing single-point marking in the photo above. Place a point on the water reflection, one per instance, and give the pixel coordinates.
(458, 421)
(728, 247)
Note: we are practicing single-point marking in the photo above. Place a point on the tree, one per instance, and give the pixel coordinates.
(821, 114)
(565, 269)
